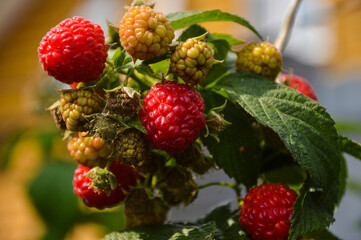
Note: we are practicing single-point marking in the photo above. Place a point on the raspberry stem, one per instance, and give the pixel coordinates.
(235, 187)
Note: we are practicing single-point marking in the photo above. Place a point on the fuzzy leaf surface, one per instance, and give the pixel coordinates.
(180, 20)
(307, 131)
(166, 232)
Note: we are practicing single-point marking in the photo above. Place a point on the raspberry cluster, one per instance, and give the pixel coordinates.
(145, 33)
(260, 58)
(115, 138)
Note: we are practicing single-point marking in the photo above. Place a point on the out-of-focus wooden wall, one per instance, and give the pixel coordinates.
(19, 65)
(346, 21)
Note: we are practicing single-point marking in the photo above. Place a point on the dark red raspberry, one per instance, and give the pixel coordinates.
(267, 210)
(300, 84)
(98, 198)
(74, 51)
(172, 114)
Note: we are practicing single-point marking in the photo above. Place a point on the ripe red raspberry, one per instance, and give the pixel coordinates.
(300, 84)
(145, 33)
(173, 116)
(74, 51)
(267, 210)
(98, 198)
(192, 60)
(260, 58)
(89, 151)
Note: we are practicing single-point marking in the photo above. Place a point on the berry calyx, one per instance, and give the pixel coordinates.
(74, 51)
(123, 102)
(260, 58)
(300, 84)
(267, 210)
(145, 33)
(172, 114)
(192, 60)
(89, 151)
(76, 104)
(99, 198)
(131, 147)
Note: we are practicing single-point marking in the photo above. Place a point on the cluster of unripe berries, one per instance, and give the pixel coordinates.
(171, 113)
(74, 52)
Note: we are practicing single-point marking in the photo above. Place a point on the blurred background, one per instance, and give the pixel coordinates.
(36, 199)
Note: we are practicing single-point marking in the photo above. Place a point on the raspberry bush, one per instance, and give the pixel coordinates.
(147, 117)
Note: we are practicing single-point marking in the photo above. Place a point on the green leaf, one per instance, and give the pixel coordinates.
(307, 131)
(220, 47)
(135, 123)
(121, 58)
(183, 19)
(227, 223)
(147, 70)
(303, 125)
(219, 215)
(166, 232)
(342, 178)
(290, 175)
(161, 67)
(52, 194)
(349, 146)
(219, 70)
(321, 235)
(238, 153)
(193, 31)
(227, 37)
(313, 209)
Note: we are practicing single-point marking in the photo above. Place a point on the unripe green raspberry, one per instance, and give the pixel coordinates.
(185, 194)
(188, 157)
(260, 58)
(76, 104)
(89, 151)
(203, 165)
(145, 33)
(131, 147)
(140, 209)
(192, 60)
(152, 164)
(138, 202)
(176, 177)
(123, 102)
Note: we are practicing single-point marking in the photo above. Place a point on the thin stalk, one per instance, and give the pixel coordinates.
(235, 187)
(285, 32)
